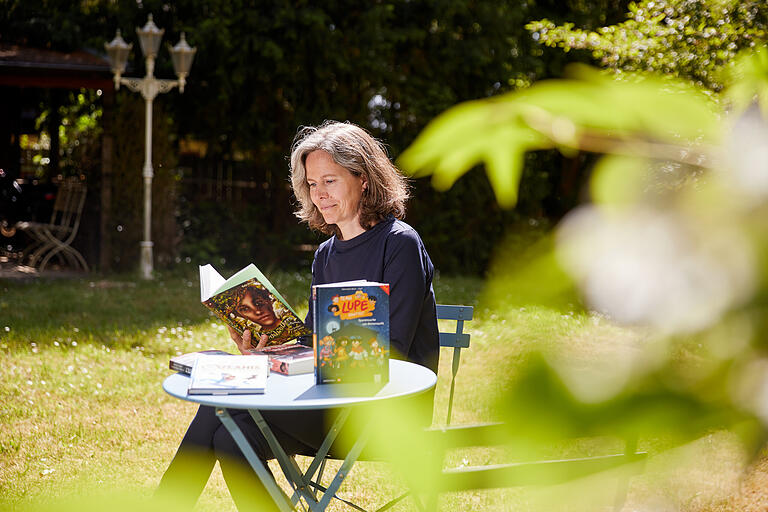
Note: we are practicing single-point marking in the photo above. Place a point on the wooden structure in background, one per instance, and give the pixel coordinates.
(24, 69)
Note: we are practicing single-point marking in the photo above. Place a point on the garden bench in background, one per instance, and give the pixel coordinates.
(55, 237)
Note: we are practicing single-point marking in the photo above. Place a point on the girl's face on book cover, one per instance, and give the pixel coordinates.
(257, 309)
(335, 191)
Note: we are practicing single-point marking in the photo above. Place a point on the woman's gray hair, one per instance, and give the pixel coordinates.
(362, 155)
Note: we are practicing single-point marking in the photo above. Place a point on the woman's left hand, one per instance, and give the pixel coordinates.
(244, 342)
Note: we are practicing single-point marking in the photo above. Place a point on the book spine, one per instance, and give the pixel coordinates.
(315, 348)
(275, 366)
(178, 367)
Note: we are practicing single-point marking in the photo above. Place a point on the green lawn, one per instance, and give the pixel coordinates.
(83, 412)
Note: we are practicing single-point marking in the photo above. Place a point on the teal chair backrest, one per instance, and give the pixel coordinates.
(456, 339)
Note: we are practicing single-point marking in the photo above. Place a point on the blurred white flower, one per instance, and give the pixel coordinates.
(749, 388)
(747, 154)
(649, 267)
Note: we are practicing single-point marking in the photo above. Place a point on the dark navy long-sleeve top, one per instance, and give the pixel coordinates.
(390, 252)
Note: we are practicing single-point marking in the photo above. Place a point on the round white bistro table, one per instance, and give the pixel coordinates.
(297, 392)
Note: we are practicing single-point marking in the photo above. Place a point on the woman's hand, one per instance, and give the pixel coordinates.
(244, 342)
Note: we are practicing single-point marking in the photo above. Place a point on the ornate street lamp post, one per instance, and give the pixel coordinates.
(149, 87)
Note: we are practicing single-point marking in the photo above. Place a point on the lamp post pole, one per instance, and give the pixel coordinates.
(149, 87)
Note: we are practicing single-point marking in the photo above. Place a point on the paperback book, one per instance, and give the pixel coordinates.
(229, 375)
(290, 358)
(247, 300)
(351, 332)
(183, 363)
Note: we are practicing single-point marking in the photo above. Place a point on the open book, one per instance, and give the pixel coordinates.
(247, 300)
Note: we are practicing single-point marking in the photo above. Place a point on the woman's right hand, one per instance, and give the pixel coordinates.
(244, 342)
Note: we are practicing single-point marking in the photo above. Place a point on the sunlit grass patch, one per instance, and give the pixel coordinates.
(82, 410)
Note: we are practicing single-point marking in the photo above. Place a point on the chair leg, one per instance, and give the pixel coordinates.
(39, 250)
(54, 251)
(630, 448)
(80, 259)
(72, 256)
(393, 502)
(426, 502)
(26, 254)
(319, 478)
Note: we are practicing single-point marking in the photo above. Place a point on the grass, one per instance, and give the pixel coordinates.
(83, 411)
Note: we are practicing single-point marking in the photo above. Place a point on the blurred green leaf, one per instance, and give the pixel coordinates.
(533, 276)
(748, 79)
(618, 180)
(591, 112)
(649, 408)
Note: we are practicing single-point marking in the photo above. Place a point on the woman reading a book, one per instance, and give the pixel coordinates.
(347, 188)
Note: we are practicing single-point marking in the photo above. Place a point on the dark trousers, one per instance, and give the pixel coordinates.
(207, 440)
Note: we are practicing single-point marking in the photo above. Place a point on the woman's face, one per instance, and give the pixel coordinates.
(257, 309)
(336, 192)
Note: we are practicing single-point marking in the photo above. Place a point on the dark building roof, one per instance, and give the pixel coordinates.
(23, 66)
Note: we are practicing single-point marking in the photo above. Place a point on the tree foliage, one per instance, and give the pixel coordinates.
(673, 242)
(693, 39)
(556, 114)
(263, 69)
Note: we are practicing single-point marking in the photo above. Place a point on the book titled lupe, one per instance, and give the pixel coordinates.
(351, 332)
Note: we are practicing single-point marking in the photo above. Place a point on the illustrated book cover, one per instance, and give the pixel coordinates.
(290, 358)
(183, 363)
(351, 332)
(247, 300)
(229, 375)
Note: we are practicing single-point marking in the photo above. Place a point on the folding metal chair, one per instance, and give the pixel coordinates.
(489, 476)
(54, 238)
(456, 339)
